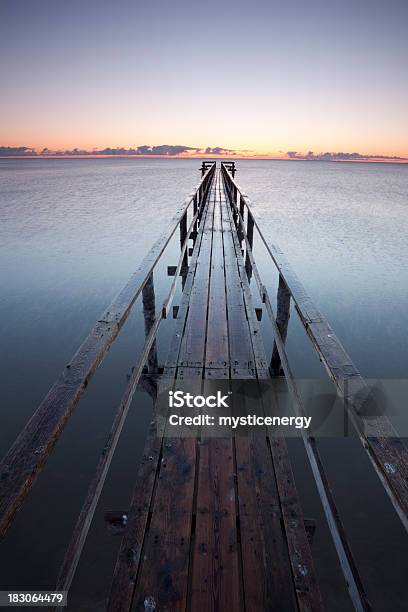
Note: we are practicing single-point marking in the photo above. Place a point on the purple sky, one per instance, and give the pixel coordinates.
(261, 75)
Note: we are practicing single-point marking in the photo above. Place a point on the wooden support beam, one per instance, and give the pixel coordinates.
(149, 315)
(282, 321)
(250, 237)
(258, 312)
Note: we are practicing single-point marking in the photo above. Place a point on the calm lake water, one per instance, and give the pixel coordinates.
(72, 232)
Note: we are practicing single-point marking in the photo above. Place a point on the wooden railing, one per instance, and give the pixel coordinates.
(29, 453)
(385, 449)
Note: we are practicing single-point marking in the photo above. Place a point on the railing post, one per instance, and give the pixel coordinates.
(149, 315)
(205, 184)
(250, 236)
(201, 203)
(200, 196)
(233, 200)
(250, 229)
(241, 206)
(183, 234)
(195, 208)
(240, 229)
(183, 229)
(282, 320)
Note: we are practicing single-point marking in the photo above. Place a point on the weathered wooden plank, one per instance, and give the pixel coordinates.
(194, 336)
(268, 582)
(30, 451)
(307, 591)
(127, 564)
(267, 573)
(216, 355)
(215, 571)
(164, 569)
(172, 361)
(241, 354)
(215, 568)
(166, 555)
(129, 559)
(258, 349)
(266, 570)
(305, 580)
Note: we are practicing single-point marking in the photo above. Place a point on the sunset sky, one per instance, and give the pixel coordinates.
(264, 76)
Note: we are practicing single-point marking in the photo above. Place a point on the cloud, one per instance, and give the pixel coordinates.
(13, 151)
(220, 151)
(186, 151)
(142, 150)
(340, 156)
(164, 150)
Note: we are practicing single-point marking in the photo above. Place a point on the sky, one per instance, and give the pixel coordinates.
(263, 77)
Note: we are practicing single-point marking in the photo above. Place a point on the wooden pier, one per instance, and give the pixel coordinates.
(215, 523)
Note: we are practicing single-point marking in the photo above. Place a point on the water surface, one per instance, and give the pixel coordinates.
(72, 232)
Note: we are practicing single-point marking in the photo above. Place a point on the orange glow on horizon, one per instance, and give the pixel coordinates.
(340, 153)
(238, 152)
(362, 159)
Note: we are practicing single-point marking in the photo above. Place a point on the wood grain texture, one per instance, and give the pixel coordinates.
(161, 454)
(307, 590)
(214, 575)
(266, 570)
(163, 574)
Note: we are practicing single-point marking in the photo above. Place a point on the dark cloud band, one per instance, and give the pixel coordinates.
(143, 150)
(340, 156)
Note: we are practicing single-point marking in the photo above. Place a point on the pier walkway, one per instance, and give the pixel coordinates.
(215, 523)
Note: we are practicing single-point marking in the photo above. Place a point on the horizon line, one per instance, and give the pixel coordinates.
(187, 152)
(362, 160)
(177, 151)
